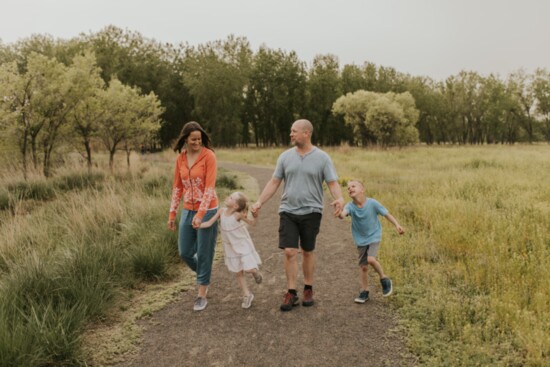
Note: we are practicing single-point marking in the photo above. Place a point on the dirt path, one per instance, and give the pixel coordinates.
(334, 332)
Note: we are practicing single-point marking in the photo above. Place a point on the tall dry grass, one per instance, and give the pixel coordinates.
(65, 257)
(72, 244)
(472, 272)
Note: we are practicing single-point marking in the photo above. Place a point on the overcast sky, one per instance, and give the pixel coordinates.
(437, 38)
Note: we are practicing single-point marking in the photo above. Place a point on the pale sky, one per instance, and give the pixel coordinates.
(437, 38)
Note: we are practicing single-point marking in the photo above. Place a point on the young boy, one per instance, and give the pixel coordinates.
(367, 233)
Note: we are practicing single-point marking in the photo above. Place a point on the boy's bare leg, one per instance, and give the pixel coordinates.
(364, 271)
(376, 265)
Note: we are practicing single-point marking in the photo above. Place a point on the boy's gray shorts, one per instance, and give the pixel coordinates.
(365, 251)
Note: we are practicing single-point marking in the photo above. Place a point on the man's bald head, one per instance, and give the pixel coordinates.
(304, 125)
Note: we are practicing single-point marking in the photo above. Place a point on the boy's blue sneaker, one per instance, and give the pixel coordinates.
(363, 297)
(387, 287)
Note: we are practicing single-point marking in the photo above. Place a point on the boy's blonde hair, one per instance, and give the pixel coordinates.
(242, 202)
(358, 181)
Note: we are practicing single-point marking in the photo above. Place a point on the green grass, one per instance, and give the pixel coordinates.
(93, 240)
(472, 272)
(63, 263)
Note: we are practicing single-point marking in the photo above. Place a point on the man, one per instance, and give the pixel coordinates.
(303, 168)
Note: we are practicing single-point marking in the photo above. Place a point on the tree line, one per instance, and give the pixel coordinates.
(120, 89)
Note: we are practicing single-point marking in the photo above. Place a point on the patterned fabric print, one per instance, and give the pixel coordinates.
(176, 196)
(193, 192)
(209, 195)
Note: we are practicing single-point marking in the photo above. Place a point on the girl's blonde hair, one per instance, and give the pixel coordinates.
(242, 202)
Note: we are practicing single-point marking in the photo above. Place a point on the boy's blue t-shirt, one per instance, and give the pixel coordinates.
(365, 225)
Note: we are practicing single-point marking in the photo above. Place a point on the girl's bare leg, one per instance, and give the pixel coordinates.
(242, 282)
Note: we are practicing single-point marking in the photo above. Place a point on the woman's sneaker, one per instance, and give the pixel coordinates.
(387, 287)
(247, 300)
(363, 297)
(200, 304)
(257, 276)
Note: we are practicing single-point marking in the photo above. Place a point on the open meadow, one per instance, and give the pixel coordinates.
(471, 274)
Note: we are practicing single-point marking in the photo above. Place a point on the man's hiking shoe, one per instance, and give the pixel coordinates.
(387, 287)
(289, 301)
(200, 304)
(308, 298)
(247, 300)
(257, 276)
(363, 297)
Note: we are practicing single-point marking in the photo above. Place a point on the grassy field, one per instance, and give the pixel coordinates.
(472, 273)
(81, 252)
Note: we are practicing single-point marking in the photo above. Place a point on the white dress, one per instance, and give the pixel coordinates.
(240, 253)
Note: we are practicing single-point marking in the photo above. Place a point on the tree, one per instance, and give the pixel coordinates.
(127, 115)
(217, 75)
(324, 87)
(353, 106)
(144, 122)
(352, 79)
(84, 118)
(541, 91)
(524, 97)
(275, 95)
(389, 117)
(15, 107)
(429, 102)
(149, 65)
(40, 98)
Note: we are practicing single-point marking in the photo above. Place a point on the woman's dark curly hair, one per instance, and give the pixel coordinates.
(187, 129)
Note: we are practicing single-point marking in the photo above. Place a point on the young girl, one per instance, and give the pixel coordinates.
(240, 255)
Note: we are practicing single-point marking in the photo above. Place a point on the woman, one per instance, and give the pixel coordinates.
(194, 180)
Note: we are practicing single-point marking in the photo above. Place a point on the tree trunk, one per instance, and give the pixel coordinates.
(47, 161)
(111, 159)
(24, 154)
(88, 155)
(34, 155)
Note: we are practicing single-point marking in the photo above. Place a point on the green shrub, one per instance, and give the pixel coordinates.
(37, 190)
(228, 182)
(150, 262)
(45, 335)
(4, 199)
(157, 185)
(78, 181)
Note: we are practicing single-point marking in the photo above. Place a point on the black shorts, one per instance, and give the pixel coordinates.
(299, 230)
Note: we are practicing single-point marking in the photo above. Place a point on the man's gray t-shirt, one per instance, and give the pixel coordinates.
(304, 176)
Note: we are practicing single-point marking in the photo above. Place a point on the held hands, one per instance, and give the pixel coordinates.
(338, 205)
(255, 209)
(196, 222)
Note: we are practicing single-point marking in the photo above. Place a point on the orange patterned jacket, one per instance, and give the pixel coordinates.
(195, 184)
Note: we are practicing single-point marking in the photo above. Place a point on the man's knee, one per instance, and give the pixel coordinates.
(291, 253)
